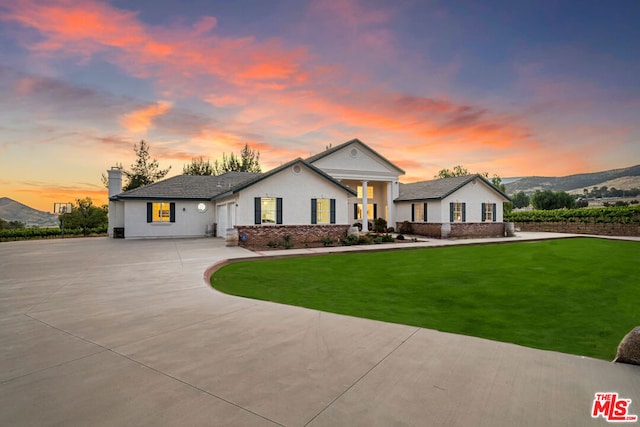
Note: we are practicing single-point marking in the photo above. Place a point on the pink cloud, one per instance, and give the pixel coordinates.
(88, 28)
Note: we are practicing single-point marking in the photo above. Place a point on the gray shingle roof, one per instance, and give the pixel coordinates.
(189, 187)
(439, 188)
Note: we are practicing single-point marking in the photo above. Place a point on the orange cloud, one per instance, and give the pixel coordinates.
(140, 121)
(88, 28)
(278, 90)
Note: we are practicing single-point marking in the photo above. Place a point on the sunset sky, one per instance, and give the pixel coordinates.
(509, 87)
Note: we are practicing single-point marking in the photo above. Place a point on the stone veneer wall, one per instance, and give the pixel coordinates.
(457, 229)
(261, 235)
(427, 229)
(477, 229)
(601, 228)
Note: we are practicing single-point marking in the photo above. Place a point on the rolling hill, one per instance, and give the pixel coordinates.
(10, 210)
(622, 179)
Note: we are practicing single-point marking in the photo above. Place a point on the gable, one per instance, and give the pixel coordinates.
(293, 168)
(477, 190)
(439, 189)
(355, 160)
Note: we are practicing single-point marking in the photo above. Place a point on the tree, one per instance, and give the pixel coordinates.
(520, 200)
(248, 161)
(143, 172)
(198, 167)
(86, 216)
(548, 200)
(10, 225)
(458, 170)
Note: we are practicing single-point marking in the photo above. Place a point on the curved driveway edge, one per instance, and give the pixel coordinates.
(112, 332)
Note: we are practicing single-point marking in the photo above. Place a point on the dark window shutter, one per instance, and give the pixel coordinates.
(314, 211)
(494, 212)
(413, 212)
(332, 213)
(464, 212)
(355, 211)
(451, 212)
(279, 210)
(172, 212)
(484, 211)
(257, 210)
(149, 212)
(424, 212)
(375, 210)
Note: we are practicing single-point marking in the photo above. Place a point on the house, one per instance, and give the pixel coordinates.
(463, 206)
(304, 200)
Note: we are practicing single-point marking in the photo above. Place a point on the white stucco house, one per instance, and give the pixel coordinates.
(304, 199)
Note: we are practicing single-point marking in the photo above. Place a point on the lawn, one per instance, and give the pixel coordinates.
(577, 296)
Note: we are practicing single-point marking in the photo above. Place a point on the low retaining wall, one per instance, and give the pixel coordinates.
(457, 229)
(261, 235)
(596, 228)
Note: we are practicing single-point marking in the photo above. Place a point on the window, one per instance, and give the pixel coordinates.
(419, 212)
(268, 210)
(488, 212)
(457, 212)
(161, 212)
(369, 192)
(323, 211)
(372, 211)
(268, 215)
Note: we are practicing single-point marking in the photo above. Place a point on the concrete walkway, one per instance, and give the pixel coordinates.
(112, 332)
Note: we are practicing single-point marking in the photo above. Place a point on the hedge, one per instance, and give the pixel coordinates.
(619, 215)
(44, 233)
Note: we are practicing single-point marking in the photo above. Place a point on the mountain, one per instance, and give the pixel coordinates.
(622, 179)
(10, 210)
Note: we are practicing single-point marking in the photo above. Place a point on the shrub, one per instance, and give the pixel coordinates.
(400, 237)
(273, 244)
(388, 238)
(380, 225)
(351, 239)
(582, 203)
(364, 240)
(405, 228)
(391, 230)
(288, 244)
(327, 241)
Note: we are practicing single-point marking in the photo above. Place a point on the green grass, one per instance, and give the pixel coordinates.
(578, 296)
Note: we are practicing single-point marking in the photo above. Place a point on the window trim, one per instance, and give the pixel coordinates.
(257, 220)
(452, 212)
(314, 211)
(489, 212)
(358, 207)
(370, 192)
(151, 208)
(414, 217)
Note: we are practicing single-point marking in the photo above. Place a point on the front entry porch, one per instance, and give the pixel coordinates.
(374, 200)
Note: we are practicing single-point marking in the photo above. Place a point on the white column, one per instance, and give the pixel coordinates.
(365, 206)
(391, 212)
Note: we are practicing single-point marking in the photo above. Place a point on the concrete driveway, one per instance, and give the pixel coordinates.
(113, 332)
